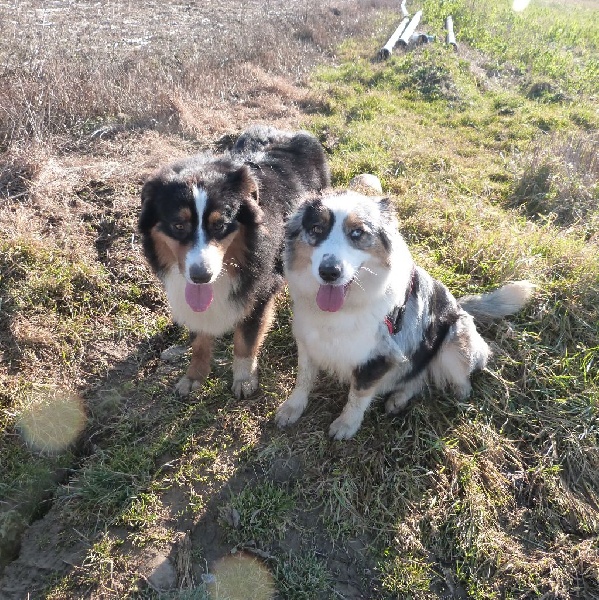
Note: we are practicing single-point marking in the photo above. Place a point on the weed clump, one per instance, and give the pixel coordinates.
(559, 181)
(260, 513)
(544, 91)
(432, 80)
(429, 74)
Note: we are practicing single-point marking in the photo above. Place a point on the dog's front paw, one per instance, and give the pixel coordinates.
(245, 377)
(290, 411)
(186, 385)
(344, 428)
(244, 387)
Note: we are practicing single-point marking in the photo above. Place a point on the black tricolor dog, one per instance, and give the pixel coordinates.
(364, 311)
(213, 230)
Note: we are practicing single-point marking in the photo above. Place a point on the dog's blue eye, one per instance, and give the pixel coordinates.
(356, 234)
(316, 230)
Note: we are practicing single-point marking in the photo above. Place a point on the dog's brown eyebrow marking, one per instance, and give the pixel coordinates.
(215, 217)
(366, 241)
(353, 221)
(185, 214)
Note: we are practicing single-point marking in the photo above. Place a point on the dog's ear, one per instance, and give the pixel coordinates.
(148, 190)
(243, 182)
(148, 216)
(250, 212)
(385, 205)
(389, 227)
(388, 210)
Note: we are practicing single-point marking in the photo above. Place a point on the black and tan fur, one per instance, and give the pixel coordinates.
(213, 229)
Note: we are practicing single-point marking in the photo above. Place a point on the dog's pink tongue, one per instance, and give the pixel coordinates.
(198, 296)
(330, 297)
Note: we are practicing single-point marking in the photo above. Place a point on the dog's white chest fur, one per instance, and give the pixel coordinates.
(336, 342)
(220, 317)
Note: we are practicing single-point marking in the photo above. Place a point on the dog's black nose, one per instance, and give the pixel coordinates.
(200, 274)
(329, 271)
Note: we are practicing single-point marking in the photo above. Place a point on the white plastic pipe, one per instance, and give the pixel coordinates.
(450, 37)
(385, 51)
(404, 38)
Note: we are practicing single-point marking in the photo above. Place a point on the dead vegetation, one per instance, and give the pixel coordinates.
(96, 68)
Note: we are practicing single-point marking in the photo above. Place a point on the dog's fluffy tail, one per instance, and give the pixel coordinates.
(506, 300)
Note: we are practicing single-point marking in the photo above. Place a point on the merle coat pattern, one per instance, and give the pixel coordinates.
(364, 311)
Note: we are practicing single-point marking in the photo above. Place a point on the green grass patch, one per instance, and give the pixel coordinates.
(559, 46)
(261, 512)
(303, 576)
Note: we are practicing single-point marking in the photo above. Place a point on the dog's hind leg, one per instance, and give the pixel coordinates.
(199, 367)
(399, 398)
(459, 356)
(248, 338)
(291, 410)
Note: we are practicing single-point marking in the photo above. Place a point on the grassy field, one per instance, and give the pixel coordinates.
(113, 487)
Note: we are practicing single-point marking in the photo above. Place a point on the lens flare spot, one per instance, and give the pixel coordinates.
(52, 420)
(241, 577)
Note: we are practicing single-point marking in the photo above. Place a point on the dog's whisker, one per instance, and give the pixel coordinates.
(368, 270)
(357, 281)
(227, 263)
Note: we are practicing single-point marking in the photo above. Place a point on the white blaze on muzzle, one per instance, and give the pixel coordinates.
(335, 255)
(203, 261)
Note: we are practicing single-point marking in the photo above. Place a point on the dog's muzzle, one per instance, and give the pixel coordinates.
(330, 270)
(199, 273)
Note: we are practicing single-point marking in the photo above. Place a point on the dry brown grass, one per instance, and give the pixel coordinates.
(70, 69)
(559, 180)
